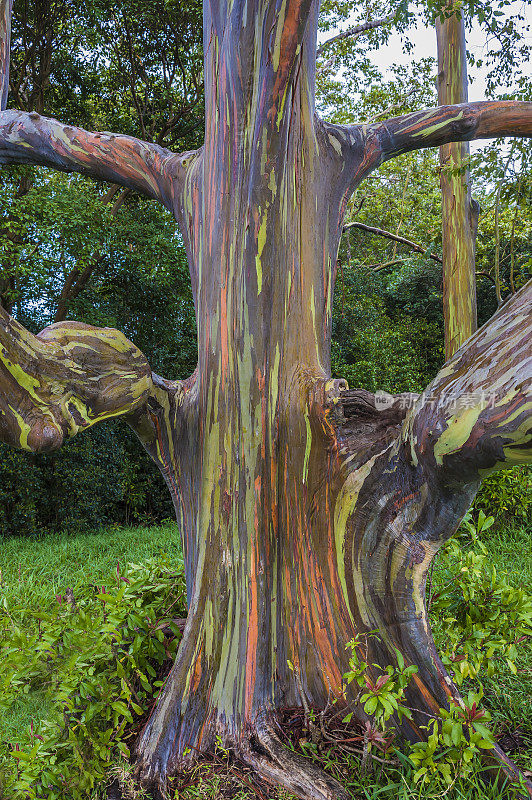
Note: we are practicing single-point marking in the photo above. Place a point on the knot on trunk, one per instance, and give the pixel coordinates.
(361, 418)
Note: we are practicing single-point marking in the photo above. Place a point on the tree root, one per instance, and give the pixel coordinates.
(261, 750)
(271, 760)
(503, 768)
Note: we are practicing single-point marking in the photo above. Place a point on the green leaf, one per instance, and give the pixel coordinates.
(370, 705)
(122, 709)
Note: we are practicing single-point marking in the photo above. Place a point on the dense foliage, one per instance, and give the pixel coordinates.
(141, 287)
(100, 656)
(100, 255)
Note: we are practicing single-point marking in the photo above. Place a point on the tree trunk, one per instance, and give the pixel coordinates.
(328, 530)
(459, 211)
(309, 513)
(305, 515)
(254, 466)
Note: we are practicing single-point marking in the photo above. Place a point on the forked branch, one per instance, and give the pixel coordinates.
(388, 235)
(355, 31)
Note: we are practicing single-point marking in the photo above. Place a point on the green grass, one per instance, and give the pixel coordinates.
(34, 571)
(510, 550)
(509, 696)
(42, 568)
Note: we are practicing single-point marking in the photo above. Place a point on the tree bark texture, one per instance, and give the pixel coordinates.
(308, 512)
(459, 216)
(6, 7)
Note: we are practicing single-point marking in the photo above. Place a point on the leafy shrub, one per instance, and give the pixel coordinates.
(507, 494)
(484, 616)
(384, 696)
(482, 620)
(99, 658)
(453, 743)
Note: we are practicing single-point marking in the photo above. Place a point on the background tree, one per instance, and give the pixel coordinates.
(349, 83)
(309, 513)
(459, 211)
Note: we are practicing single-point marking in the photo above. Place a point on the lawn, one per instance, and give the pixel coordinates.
(33, 572)
(36, 573)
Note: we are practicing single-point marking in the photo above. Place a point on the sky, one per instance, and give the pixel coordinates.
(424, 39)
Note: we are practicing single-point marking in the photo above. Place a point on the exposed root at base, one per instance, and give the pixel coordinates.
(153, 778)
(271, 760)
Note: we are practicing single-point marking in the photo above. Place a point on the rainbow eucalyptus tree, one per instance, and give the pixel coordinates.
(309, 512)
(459, 211)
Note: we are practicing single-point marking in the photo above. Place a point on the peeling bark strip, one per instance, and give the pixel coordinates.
(309, 513)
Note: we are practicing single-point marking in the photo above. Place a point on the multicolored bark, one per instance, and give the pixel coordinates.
(6, 7)
(64, 380)
(423, 474)
(29, 138)
(308, 513)
(458, 221)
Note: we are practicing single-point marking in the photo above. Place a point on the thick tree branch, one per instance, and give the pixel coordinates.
(476, 415)
(145, 167)
(459, 123)
(166, 422)
(360, 149)
(64, 380)
(285, 44)
(355, 31)
(414, 465)
(33, 139)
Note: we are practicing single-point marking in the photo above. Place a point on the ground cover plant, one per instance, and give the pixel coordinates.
(86, 643)
(71, 602)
